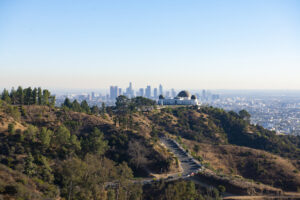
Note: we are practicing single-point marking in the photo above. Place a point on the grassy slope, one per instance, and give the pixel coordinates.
(203, 127)
(226, 146)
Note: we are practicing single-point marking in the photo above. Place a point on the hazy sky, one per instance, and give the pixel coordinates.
(220, 44)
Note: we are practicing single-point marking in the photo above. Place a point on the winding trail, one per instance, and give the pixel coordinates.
(190, 165)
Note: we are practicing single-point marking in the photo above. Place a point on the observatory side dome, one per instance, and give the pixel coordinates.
(161, 97)
(184, 93)
(193, 97)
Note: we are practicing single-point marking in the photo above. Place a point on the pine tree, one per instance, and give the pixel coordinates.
(27, 96)
(20, 96)
(5, 96)
(34, 97)
(85, 107)
(46, 95)
(39, 96)
(67, 103)
(13, 96)
(76, 106)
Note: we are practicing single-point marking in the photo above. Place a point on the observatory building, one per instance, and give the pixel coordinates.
(183, 98)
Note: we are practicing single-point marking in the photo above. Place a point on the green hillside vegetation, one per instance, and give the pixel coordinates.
(75, 151)
(216, 126)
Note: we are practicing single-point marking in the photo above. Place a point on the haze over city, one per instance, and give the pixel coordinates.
(180, 44)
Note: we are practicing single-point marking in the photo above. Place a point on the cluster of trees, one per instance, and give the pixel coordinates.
(236, 127)
(123, 110)
(181, 190)
(125, 107)
(83, 107)
(28, 96)
(79, 168)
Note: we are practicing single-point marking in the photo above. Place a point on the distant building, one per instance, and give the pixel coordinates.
(141, 92)
(148, 91)
(113, 92)
(129, 91)
(173, 93)
(183, 98)
(155, 93)
(161, 92)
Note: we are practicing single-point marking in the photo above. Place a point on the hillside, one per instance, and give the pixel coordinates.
(60, 149)
(228, 144)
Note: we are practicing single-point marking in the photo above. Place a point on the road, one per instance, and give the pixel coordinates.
(188, 163)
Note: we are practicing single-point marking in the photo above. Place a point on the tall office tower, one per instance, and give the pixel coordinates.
(116, 91)
(155, 93)
(129, 91)
(120, 92)
(113, 92)
(141, 92)
(173, 93)
(93, 95)
(161, 90)
(148, 91)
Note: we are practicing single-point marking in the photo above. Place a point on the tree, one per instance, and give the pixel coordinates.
(124, 173)
(28, 96)
(62, 136)
(122, 109)
(29, 168)
(45, 137)
(73, 171)
(34, 97)
(76, 106)
(31, 133)
(45, 99)
(5, 96)
(122, 103)
(95, 143)
(20, 96)
(103, 109)
(181, 191)
(98, 171)
(245, 115)
(138, 153)
(67, 103)
(40, 95)
(85, 106)
(13, 96)
(95, 110)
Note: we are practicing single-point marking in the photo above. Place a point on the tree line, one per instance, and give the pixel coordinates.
(28, 96)
(82, 107)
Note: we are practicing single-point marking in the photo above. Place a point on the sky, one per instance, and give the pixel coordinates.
(194, 44)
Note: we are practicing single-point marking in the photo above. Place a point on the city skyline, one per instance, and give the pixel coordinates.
(194, 44)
